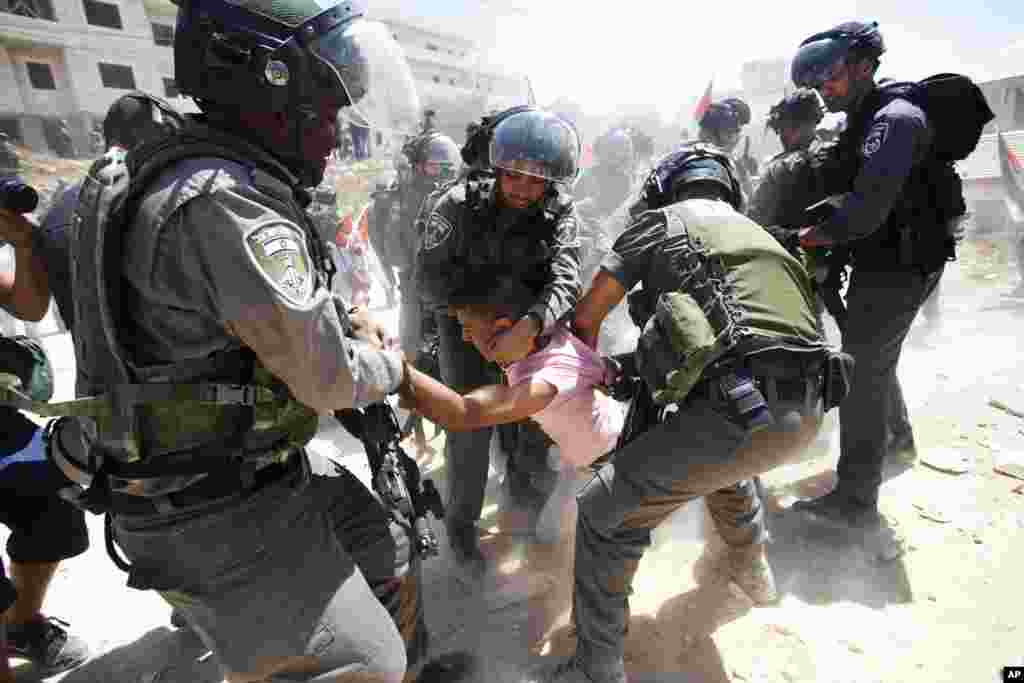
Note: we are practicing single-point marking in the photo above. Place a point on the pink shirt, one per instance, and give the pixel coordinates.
(584, 421)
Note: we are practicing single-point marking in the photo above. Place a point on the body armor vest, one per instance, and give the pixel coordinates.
(515, 245)
(719, 288)
(915, 233)
(144, 420)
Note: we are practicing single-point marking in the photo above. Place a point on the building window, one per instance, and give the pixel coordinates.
(117, 76)
(163, 34)
(437, 79)
(34, 9)
(432, 47)
(102, 14)
(40, 76)
(171, 88)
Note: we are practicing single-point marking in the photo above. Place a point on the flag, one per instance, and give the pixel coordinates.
(1012, 168)
(703, 103)
(529, 89)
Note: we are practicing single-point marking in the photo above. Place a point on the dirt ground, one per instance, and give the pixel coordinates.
(937, 598)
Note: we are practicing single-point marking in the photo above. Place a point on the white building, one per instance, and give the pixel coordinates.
(71, 58)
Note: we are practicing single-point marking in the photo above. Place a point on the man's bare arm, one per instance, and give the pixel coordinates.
(25, 293)
(483, 407)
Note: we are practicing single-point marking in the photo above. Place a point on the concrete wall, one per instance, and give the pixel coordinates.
(10, 93)
(41, 102)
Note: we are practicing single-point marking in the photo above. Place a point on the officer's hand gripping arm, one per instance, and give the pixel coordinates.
(604, 294)
(560, 295)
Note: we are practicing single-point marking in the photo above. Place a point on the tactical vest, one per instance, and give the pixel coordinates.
(152, 421)
(915, 234)
(719, 289)
(522, 251)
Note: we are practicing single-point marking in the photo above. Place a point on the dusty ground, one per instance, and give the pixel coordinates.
(949, 608)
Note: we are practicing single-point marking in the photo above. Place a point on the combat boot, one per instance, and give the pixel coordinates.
(464, 542)
(840, 509)
(573, 670)
(901, 448)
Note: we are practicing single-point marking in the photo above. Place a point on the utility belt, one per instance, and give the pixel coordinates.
(212, 490)
(778, 375)
(226, 477)
(908, 246)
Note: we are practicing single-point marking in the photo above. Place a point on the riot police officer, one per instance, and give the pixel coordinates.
(682, 245)
(788, 186)
(600, 191)
(515, 220)
(606, 184)
(721, 125)
(433, 159)
(221, 344)
(893, 218)
(806, 172)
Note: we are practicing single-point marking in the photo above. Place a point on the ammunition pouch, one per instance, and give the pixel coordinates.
(675, 347)
(837, 378)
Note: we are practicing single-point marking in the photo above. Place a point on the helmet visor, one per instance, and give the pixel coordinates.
(818, 61)
(371, 68)
(536, 143)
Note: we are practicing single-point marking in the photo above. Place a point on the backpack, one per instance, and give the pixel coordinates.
(956, 108)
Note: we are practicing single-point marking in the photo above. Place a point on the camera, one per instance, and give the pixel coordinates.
(17, 196)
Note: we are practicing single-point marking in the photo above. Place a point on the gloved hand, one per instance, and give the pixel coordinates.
(620, 376)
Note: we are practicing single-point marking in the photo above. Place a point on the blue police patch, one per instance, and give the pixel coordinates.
(436, 231)
(876, 137)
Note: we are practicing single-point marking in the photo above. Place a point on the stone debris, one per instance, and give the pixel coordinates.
(999, 405)
(930, 512)
(948, 460)
(1010, 464)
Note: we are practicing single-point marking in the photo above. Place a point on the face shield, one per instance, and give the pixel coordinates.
(818, 61)
(371, 68)
(536, 143)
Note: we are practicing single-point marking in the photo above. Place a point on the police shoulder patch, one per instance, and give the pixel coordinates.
(280, 254)
(875, 138)
(436, 231)
(567, 234)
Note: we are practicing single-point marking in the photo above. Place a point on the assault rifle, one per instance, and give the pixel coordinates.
(396, 476)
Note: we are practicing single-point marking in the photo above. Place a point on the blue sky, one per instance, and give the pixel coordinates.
(662, 52)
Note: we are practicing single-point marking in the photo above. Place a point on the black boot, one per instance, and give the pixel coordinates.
(841, 509)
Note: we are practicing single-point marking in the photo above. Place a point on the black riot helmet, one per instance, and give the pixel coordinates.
(434, 148)
(537, 143)
(683, 170)
(721, 122)
(819, 56)
(292, 56)
(800, 108)
(741, 108)
(137, 118)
